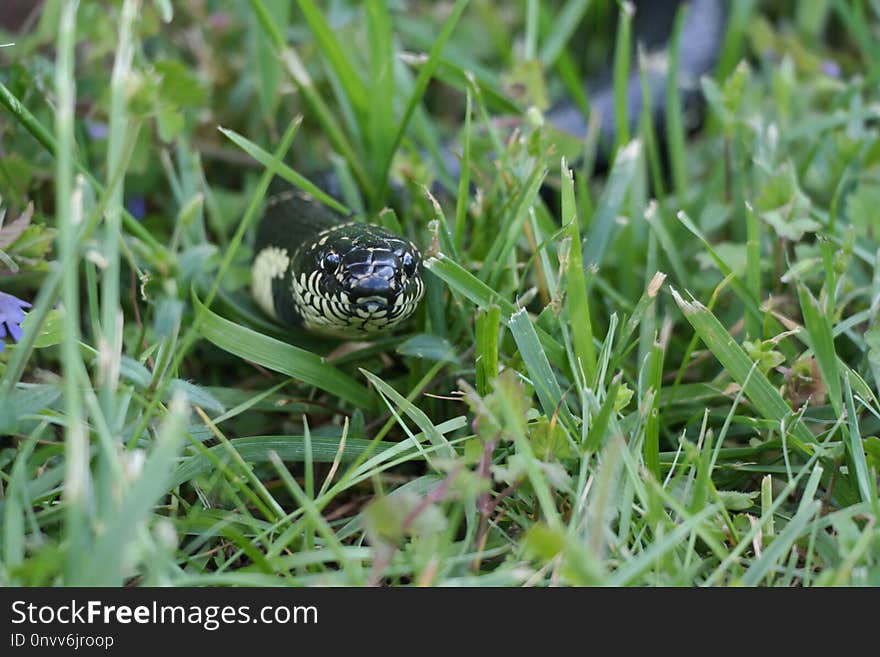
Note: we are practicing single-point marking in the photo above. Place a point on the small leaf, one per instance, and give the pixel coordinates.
(543, 542)
(51, 331)
(549, 441)
(623, 398)
(764, 353)
(281, 357)
(734, 255)
(516, 469)
(525, 84)
(737, 500)
(9, 232)
(390, 518)
(871, 445)
(170, 123)
(429, 347)
(784, 206)
(177, 86)
(196, 395)
(863, 209)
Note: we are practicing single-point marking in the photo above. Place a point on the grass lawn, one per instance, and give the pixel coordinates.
(656, 365)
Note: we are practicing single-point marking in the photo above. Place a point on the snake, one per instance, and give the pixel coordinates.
(323, 272)
(317, 270)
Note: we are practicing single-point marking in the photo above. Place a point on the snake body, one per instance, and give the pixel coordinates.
(322, 272)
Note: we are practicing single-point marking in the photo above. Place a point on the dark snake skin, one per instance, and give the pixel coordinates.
(324, 273)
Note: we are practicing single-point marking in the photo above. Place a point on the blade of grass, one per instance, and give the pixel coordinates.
(421, 85)
(464, 179)
(567, 20)
(297, 72)
(753, 265)
(279, 168)
(856, 449)
(77, 478)
(418, 416)
(622, 55)
(280, 357)
(674, 112)
(759, 390)
(382, 89)
(330, 47)
(541, 375)
(619, 180)
(105, 565)
(651, 447)
(576, 299)
(486, 360)
(465, 283)
(822, 342)
(531, 36)
(119, 126)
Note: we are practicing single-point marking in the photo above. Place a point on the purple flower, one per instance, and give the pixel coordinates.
(11, 317)
(831, 68)
(137, 206)
(96, 129)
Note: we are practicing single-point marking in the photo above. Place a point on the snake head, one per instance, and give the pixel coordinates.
(363, 279)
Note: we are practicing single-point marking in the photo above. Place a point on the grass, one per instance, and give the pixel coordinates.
(665, 373)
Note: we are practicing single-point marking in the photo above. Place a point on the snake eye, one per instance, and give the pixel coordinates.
(409, 264)
(330, 260)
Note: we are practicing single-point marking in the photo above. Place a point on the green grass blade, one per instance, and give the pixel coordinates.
(622, 55)
(279, 168)
(321, 449)
(380, 121)
(776, 551)
(753, 265)
(758, 388)
(866, 483)
(465, 283)
(567, 20)
(822, 341)
(576, 299)
(108, 558)
(333, 50)
(652, 423)
(425, 74)
(541, 375)
(619, 181)
(281, 357)
(674, 112)
(415, 414)
(319, 109)
(486, 361)
(464, 179)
